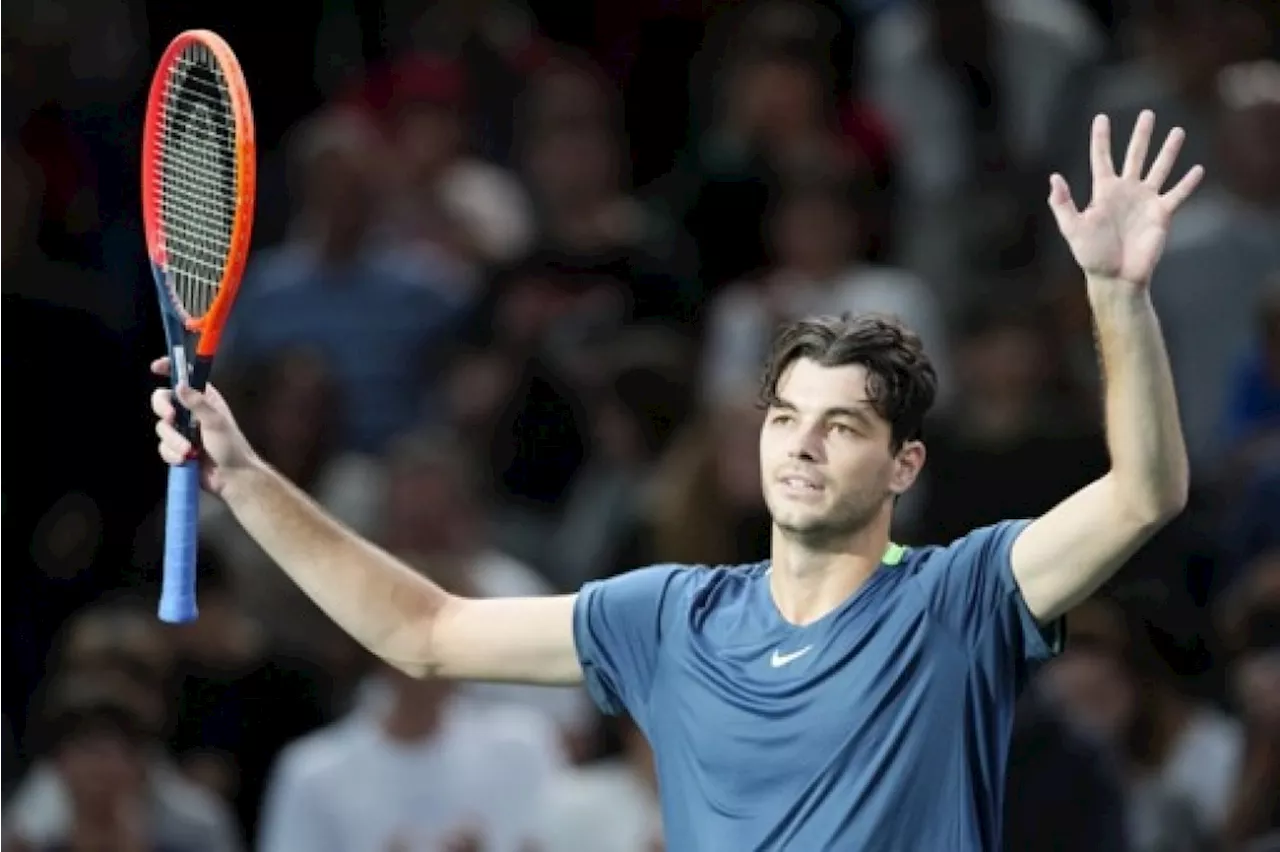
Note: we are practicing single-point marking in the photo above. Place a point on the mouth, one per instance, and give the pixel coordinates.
(800, 484)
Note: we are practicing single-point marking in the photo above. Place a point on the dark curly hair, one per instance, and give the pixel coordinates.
(901, 382)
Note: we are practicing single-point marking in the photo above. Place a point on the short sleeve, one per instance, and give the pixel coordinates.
(618, 627)
(971, 588)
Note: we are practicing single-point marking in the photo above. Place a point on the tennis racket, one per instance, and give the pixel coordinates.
(198, 178)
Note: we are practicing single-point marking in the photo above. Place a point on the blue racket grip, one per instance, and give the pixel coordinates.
(181, 532)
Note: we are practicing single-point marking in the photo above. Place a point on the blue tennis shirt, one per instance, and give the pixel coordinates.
(883, 726)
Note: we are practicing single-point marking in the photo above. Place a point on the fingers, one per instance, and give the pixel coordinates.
(1163, 165)
(1100, 149)
(1139, 143)
(192, 400)
(196, 402)
(1060, 202)
(1182, 189)
(160, 366)
(162, 404)
(174, 448)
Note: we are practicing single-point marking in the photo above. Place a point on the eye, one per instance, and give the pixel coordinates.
(842, 429)
(780, 419)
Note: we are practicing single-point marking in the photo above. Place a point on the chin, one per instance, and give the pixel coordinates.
(797, 520)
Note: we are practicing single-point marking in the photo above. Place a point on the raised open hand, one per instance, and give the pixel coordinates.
(1121, 234)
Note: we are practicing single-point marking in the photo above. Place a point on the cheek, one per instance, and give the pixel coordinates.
(860, 470)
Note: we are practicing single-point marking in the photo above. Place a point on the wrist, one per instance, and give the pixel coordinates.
(239, 482)
(1105, 291)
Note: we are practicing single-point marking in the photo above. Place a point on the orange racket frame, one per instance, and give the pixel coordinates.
(208, 327)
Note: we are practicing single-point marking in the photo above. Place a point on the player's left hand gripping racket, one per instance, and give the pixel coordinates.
(198, 176)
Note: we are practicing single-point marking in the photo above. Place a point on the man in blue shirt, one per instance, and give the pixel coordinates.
(848, 693)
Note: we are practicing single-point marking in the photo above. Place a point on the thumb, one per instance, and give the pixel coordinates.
(194, 401)
(1060, 202)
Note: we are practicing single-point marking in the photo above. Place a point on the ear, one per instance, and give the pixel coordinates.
(907, 466)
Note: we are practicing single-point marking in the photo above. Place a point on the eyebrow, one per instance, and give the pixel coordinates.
(859, 413)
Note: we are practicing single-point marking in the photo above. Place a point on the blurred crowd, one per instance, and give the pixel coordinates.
(514, 272)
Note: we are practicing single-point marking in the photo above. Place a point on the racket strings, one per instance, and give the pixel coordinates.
(197, 178)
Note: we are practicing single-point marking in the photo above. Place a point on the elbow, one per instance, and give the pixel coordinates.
(1152, 505)
(1157, 507)
(416, 649)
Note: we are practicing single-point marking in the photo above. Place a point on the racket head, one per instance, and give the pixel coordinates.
(199, 180)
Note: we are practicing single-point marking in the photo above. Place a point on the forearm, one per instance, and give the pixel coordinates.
(1144, 435)
(385, 605)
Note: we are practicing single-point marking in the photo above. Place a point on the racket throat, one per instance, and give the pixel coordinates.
(181, 367)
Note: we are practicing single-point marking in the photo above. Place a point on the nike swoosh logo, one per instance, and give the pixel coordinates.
(780, 660)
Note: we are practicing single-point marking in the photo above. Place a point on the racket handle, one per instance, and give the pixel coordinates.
(181, 531)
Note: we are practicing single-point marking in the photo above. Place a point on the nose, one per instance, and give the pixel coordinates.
(806, 446)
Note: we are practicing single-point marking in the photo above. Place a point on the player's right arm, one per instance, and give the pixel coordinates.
(391, 609)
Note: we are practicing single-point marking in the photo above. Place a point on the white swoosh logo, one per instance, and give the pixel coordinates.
(780, 660)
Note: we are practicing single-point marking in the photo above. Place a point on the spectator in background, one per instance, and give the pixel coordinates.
(445, 199)
(420, 767)
(608, 806)
(30, 272)
(496, 44)
(100, 788)
(1062, 791)
(1179, 755)
(117, 655)
(1255, 812)
(705, 506)
(1176, 50)
(639, 400)
(434, 511)
(970, 90)
(1219, 257)
(574, 158)
(1253, 405)
(816, 239)
(1004, 447)
(776, 116)
(294, 410)
(375, 314)
(239, 701)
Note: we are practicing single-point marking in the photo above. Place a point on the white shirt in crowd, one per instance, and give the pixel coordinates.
(349, 788)
(604, 807)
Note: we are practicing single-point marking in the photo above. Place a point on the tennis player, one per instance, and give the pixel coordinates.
(848, 693)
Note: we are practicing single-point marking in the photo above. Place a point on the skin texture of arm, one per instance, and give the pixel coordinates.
(395, 612)
(1065, 555)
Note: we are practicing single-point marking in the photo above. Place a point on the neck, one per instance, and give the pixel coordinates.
(410, 722)
(1001, 416)
(818, 271)
(809, 581)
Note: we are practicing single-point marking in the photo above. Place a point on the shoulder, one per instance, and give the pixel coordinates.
(667, 594)
(188, 811)
(498, 574)
(979, 545)
(318, 755)
(508, 728)
(685, 581)
(278, 269)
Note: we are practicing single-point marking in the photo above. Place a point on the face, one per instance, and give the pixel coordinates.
(574, 164)
(99, 768)
(1256, 681)
(424, 509)
(429, 138)
(1093, 688)
(338, 190)
(294, 415)
(828, 471)
(813, 234)
(1004, 363)
(1250, 139)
